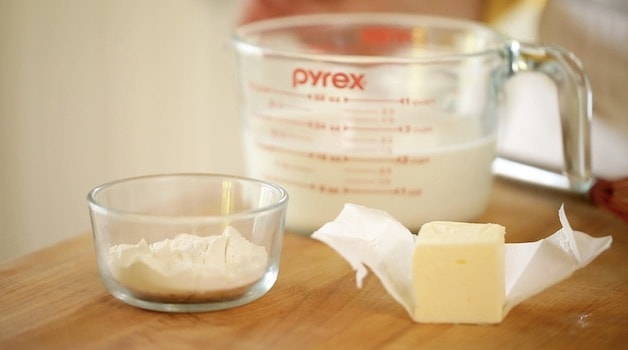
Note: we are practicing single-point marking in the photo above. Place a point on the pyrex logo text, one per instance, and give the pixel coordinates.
(320, 78)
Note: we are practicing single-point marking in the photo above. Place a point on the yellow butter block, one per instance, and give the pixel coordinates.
(458, 273)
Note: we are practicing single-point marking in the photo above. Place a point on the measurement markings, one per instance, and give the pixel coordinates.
(394, 100)
(295, 167)
(404, 129)
(372, 100)
(273, 148)
(396, 160)
(320, 125)
(340, 190)
(362, 110)
(283, 120)
(367, 150)
(362, 139)
(280, 104)
(383, 191)
(292, 182)
(378, 128)
(282, 134)
(403, 159)
(361, 119)
(382, 170)
(269, 90)
(322, 97)
(368, 181)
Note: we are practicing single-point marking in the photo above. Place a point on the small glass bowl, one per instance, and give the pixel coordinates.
(188, 242)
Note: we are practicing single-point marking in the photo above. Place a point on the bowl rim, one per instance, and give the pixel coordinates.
(244, 38)
(97, 206)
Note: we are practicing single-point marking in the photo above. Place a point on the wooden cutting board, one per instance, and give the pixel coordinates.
(54, 299)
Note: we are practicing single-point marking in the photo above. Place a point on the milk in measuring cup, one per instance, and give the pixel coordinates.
(418, 170)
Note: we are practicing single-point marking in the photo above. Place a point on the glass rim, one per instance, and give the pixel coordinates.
(97, 206)
(242, 35)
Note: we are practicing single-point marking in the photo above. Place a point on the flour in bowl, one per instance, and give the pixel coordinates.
(189, 268)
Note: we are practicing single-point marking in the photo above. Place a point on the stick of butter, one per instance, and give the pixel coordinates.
(458, 273)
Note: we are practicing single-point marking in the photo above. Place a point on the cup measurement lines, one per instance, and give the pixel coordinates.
(333, 98)
(348, 124)
(338, 158)
(333, 189)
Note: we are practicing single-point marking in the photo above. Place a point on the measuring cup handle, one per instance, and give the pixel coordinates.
(575, 105)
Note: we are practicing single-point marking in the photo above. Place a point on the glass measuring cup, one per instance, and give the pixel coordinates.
(391, 111)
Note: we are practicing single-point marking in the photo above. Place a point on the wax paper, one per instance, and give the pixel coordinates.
(372, 239)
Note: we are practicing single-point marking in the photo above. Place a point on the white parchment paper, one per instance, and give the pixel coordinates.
(372, 238)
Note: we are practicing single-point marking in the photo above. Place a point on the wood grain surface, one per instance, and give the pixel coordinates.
(54, 299)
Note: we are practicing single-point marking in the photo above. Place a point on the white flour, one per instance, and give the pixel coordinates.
(189, 266)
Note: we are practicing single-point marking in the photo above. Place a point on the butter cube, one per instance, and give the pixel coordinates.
(458, 273)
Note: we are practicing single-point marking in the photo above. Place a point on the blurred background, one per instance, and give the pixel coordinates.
(97, 90)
